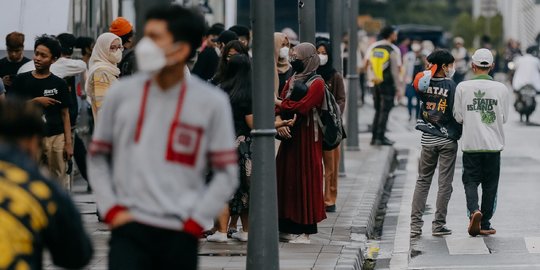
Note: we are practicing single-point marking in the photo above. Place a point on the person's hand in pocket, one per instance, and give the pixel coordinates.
(120, 219)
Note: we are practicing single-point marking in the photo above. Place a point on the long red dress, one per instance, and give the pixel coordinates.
(299, 166)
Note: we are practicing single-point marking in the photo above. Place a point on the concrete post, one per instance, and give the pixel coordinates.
(353, 78)
(335, 23)
(263, 249)
(306, 20)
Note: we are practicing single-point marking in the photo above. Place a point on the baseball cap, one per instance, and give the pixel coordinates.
(482, 58)
(120, 26)
(226, 37)
(215, 30)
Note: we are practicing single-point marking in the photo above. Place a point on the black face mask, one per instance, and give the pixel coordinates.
(297, 65)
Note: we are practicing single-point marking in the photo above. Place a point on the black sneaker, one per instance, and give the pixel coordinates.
(385, 139)
(442, 231)
(331, 208)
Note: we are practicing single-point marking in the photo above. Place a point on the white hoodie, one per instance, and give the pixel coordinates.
(482, 106)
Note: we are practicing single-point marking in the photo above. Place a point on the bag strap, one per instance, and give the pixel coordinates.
(312, 79)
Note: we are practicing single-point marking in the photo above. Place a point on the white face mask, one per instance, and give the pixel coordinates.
(284, 53)
(116, 57)
(450, 73)
(150, 57)
(415, 47)
(324, 59)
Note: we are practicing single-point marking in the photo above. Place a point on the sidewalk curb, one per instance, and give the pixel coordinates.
(364, 221)
(401, 254)
(363, 224)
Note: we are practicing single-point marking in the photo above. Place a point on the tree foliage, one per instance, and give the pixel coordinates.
(454, 16)
(464, 27)
(429, 12)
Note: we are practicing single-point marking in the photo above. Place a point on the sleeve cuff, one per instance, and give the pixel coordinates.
(221, 159)
(192, 227)
(113, 212)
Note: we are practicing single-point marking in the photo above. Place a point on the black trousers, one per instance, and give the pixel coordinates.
(79, 154)
(136, 246)
(383, 102)
(484, 169)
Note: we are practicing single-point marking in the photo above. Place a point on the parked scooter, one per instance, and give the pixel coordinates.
(525, 103)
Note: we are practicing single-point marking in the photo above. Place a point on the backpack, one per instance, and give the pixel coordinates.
(329, 118)
(380, 62)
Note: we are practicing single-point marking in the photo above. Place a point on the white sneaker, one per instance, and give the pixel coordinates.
(217, 237)
(301, 239)
(240, 236)
(286, 237)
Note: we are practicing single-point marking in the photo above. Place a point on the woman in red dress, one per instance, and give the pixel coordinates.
(299, 159)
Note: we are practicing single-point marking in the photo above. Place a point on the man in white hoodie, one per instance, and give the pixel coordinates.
(482, 106)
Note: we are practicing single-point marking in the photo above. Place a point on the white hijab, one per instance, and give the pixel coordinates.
(102, 56)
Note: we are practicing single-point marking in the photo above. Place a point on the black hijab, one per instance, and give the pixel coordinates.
(326, 71)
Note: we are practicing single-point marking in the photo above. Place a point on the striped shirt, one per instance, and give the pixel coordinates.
(432, 140)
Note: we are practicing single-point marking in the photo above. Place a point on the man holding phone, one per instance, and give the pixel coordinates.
(10, 64)
(51, 92)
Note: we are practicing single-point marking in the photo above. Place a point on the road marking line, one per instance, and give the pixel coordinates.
(466, 246)
(533, 244)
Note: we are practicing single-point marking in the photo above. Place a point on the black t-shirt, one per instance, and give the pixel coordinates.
(27, 87)
(11, 68)
(207, 64)
(240, 111)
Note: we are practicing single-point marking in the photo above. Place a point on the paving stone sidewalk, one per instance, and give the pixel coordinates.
(338, 245)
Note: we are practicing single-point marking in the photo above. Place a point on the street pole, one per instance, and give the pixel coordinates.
(335, 39)
(141, 8)
(306, 20)
(353, 78)
(263, 250)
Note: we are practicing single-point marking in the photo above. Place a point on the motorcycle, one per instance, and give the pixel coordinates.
(525, 103)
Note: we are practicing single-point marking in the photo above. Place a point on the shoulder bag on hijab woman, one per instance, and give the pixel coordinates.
(103, 71)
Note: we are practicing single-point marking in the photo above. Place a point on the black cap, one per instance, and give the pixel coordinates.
(240, 30)
(215, 29)
(226, 37)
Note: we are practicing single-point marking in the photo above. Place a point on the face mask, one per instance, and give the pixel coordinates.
(297, 65)
(116, 56)
(324, 59)
(150, 57)
(450, 73)
(284, 53)
(416, 47)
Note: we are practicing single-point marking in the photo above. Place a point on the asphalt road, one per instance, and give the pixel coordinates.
(517, 218)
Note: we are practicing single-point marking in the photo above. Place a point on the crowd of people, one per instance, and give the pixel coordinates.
(170, 158)
(162, 169)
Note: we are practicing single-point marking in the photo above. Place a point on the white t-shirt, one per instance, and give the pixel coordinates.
(527, 72)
